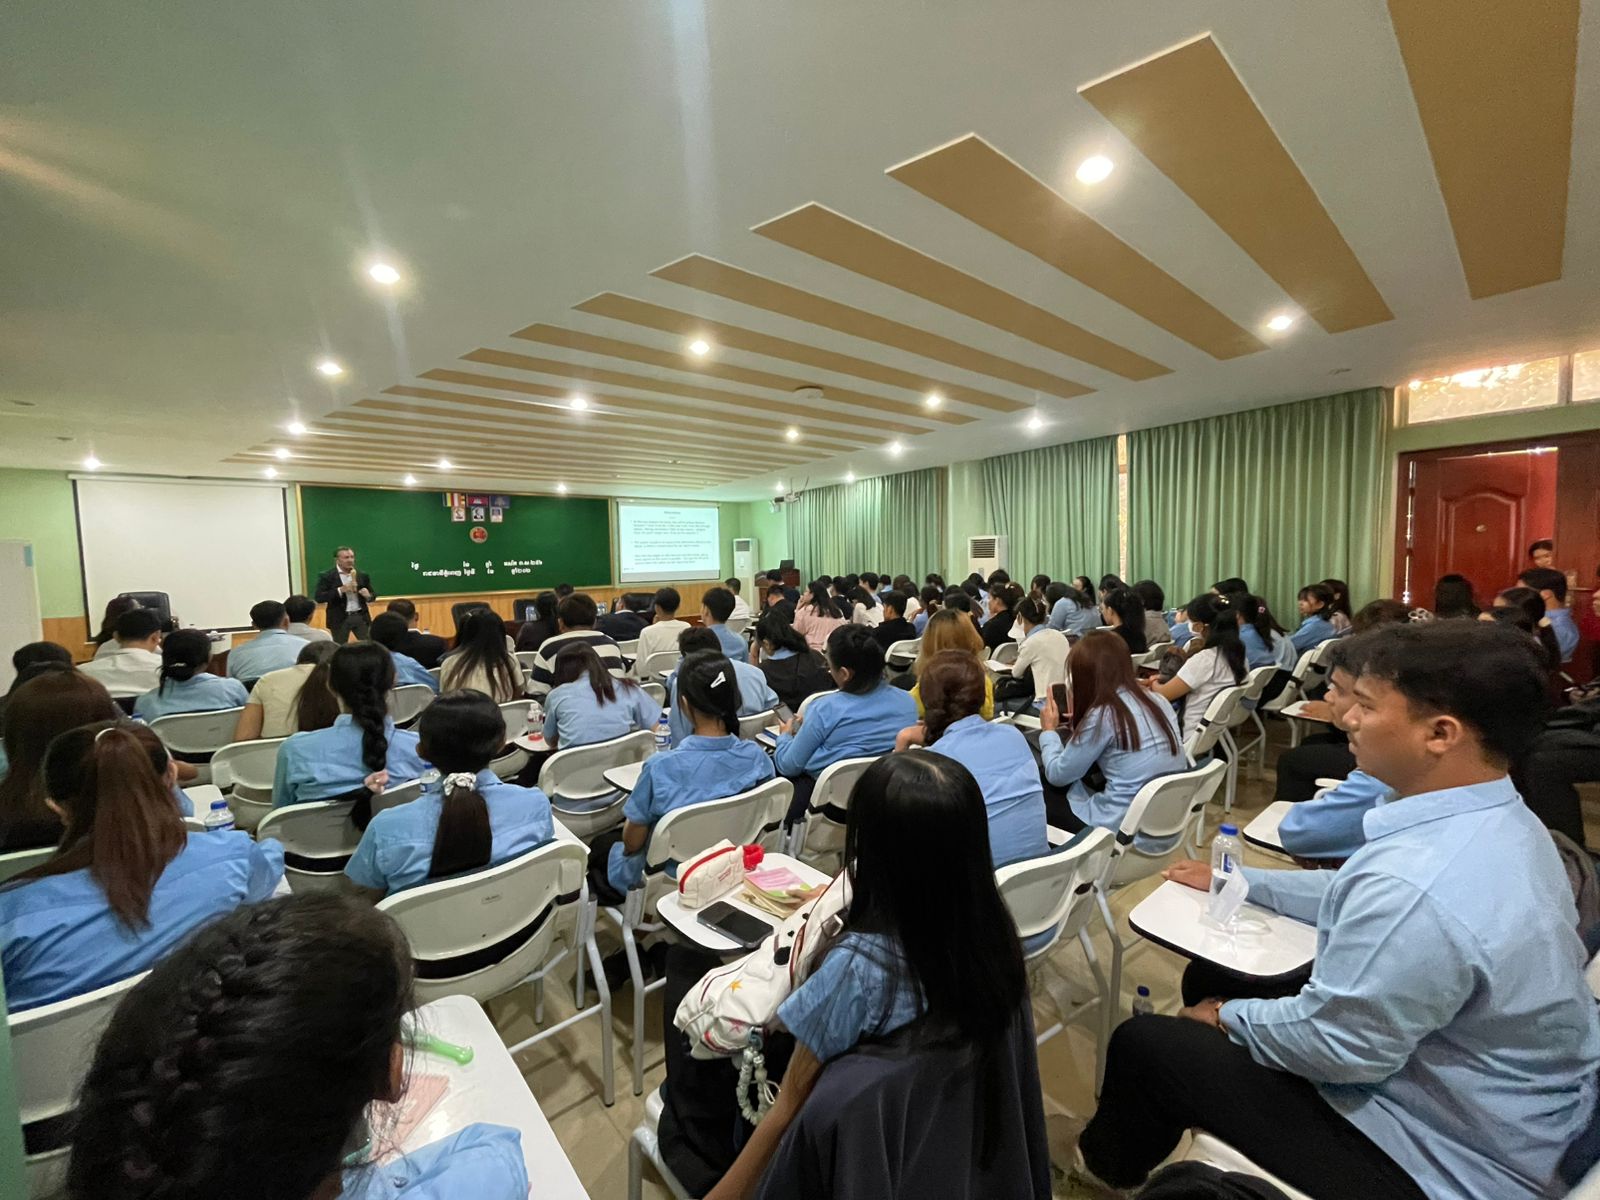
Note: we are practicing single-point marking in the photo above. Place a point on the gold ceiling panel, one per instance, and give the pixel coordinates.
(757, 291)
(588, 343)
(837, 239)
(972, 178)
(399, 465)
(667, 320)
(1493, 81)
(1189, 113)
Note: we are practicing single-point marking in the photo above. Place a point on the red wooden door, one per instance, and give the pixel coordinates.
(1475, 516)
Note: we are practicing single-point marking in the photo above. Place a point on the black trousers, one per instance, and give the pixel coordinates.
(1322, 756)
(1547, 777)
(348, 625)
(1057, 810)
(804, 786)
(599, 858)
(1165, 1075)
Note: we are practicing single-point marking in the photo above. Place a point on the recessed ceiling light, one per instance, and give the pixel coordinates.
(561, 488)
(579, 403)
(281, 454)
(410, 481)
(1280, 322)
(271, 472)
(1094, 168)
(1416, 383)
(296, 428)
(445, 464)
(792, 433)
(933, 400)
(849, 476)
(330, 368)
(91, 463)
(1036, 422)
(699, 347)
(383, 273)
(894, 448)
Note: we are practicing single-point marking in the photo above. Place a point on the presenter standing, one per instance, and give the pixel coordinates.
(346, 591)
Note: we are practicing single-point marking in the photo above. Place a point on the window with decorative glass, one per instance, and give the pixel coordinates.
(1507, 387)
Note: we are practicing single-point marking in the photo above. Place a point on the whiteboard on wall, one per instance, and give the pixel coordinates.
(19, 615)
(214, 548)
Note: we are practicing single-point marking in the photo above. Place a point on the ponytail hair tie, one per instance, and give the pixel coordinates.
(106, 730)
(460, 779)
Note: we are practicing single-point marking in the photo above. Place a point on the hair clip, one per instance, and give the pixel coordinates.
(719, 680)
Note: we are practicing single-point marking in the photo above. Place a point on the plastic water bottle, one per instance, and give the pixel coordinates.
(1143, 1006)
(220, 816)
(663, 732)
(1226, 854)
(535, 720)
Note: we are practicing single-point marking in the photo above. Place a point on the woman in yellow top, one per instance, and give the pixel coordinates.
(951, 629)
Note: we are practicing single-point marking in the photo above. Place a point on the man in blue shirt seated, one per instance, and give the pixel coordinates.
(716, 606)
(1552, 588)
(1446, 1044)
(273, 647)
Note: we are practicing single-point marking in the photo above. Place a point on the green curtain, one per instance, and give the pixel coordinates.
(1058, 507)
(891, 522)
(1281, 496)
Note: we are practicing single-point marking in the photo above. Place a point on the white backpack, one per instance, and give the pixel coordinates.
(720, 1011)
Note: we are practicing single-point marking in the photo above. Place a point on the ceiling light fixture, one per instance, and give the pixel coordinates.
(1036, 422)
(91, 463)
(699, 347)
(410, 481)
(296, 428)
(849, 476)
(1416, 383)
(792, 433)
(445, 465)
(281, 454)
(1280, 322)
(561, 489)
(1094, 168)
(579, 403)
(271, 472)
(330, 368)
(933, 400)
(383, 273)
(894, 448)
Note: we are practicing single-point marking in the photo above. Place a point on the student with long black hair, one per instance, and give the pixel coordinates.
(389, 631)
(1156, 629)
(186, 686)
(1219, 663)
(1003, 601)
(932, 600)
(334, 763)
(588, 704)
(1339, 612)
(1316, 618)
(245, 1065)
(1453, 598)
(793, 669)
(1266, 643)
(36, 713)
(128, 882)
(754, 694)
(892, 968)
(1070, 610)
(466, 819)
(481, 661)
(1123, 611)
(818, 614)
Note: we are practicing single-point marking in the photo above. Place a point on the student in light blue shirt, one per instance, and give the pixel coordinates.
(298, 1011)
(465, 819)
(716, 606)
(1446, 1018)
(389, 630)
(1316, 618)
(333, 763)
(128, 882)
(1116, 725)
(932, 600)
(1266, 643)
(953, 687)
(272, 649)
(892, 967)
(862, 718)
(186, 686)
(1070, 610)
(711, 763)
(1552, 588)
(588, 704)
(755, 694)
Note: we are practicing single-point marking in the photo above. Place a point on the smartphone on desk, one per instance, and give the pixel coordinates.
(748, 930)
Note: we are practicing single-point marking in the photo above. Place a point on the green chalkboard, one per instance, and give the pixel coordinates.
(411, 545)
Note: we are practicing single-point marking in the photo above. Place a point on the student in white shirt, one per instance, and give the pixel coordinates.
(134, 667)
(1041, 654)
(1219, 664)
(663, 630)
(741, 610)
(480, 660)
(291, 700)
(300, 610)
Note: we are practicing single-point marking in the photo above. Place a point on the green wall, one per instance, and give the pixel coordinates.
(37, 506)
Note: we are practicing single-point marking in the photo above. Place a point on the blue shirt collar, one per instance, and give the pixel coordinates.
(699, 741)
(1395, 815)
(343, 720)
(1034, 630)
(783, 652)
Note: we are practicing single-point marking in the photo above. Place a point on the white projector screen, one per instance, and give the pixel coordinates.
(214, 548)
(661, 543)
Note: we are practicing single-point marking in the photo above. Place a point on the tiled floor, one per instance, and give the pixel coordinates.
(564, 1072)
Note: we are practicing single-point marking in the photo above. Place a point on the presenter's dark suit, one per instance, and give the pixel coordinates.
(341, 623)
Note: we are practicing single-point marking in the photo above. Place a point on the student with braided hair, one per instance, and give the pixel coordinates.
(186, 686)
(465, 820)
(334, 763)
(243, 1067)
(128, 883)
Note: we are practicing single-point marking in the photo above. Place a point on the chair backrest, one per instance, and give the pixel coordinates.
(806, 703)
(1256, 680)
(407, 702)
(18, 861)
(742, 819)
(482, 933)
(1221, 713)
(52, 1046)
(629, 648)
(651, 665)
(903, 651)
(828, 807)
(526, 659)
(1053, 893)
(1164, 808)
(1006, 651)
(737, 624)
(515, 713)
(318, 838)
(197, 733)
(436, 672)
(656, 691)
(400, 793)
(247, 766)
(1292, 690)
(756, 722)
(577, 775)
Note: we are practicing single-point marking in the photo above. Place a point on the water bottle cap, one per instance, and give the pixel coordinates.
(1230, 830)
(219, 802)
